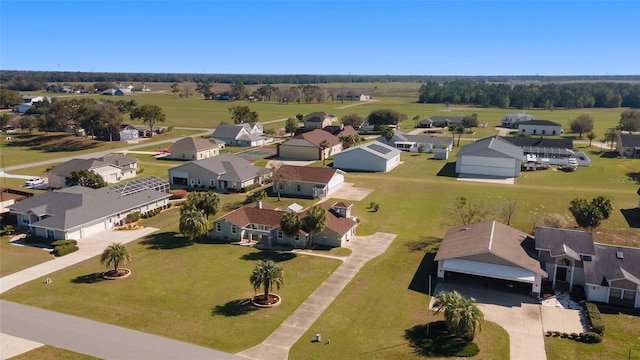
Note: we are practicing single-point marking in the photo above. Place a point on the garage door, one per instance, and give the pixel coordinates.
(93, 228)
(74, 234)
(489, 270)
(490, 171)
(622, 297)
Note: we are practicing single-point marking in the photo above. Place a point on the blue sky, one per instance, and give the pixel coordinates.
(323, 37)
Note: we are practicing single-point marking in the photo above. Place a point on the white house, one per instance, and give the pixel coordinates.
(306, 181)
(27, 103)
(309, 146)
(540, 127)
(412, 143)
(373, 156)
(112, 168)
(512, 120)
(246, 134)
(493, 157)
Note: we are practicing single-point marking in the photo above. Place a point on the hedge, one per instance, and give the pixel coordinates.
(591, 337)
(595, 319)
(64, 250)
(250, 187)
(133, 217)
(64, 242)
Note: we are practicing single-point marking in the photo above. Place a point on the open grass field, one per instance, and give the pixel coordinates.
(52, 353)
(14, 258)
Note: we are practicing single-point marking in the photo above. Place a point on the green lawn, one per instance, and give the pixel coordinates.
(14, 258)
(191, 292)
(51, 353)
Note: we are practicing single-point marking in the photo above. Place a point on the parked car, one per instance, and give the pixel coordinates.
(35, 182)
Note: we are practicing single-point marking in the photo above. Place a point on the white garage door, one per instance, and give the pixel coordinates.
(94, 228)
(490, 171)
(489, 270)
(73, 234)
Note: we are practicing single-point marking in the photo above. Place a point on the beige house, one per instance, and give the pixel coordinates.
(259, 222)
(305, 181)
(192, 148)
(308, 146)
(319, 120)
(629, 145)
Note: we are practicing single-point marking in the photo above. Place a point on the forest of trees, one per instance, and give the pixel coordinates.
(37, 80)
(546, 96)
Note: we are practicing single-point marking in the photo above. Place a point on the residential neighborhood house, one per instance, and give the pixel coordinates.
(490, 157)
(127, 132)
(441, 121)
(28, 101)
(222, 172)
(629, 145)
(246, 134)
(309, 146)
(112, 168)
(318, 120)
(411, 143)
(353, 97)
(512, 121)
(77, 212)
(306, 181)
(120, 91)
(194, 148)
(335, 130)
(540, 127)
(260, 222)
(10, 196)
(372, 156)
(551, 151)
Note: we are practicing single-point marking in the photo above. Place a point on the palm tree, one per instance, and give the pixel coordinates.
(315, 221)
(415, 120)
(323, 146)
(210, 204)
(462, 315)
(193, 224)
(114, 255)
(387, 132)
(290, 224)
(266, 274)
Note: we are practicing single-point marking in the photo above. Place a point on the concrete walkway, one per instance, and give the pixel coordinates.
(89, 247)
(277, 345)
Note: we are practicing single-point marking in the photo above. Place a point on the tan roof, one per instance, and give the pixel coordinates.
(489, 237)
(193, 144)
(317, 116)
(307, 173)
(317, 136)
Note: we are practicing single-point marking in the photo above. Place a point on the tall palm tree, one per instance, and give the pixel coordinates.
(462, 315)
(210, 203)
(315, 221)
(193, 224)
(290, 225)
(323, 146)
(114, 255)
(387, 132)
(267, 274)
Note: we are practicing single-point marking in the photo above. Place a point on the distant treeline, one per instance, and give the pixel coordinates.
(548, 96)
(37, 80)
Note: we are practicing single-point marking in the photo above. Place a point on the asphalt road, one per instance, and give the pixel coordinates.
(95, 338)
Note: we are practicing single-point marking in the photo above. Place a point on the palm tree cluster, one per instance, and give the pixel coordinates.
(195, 211)
(461, 314)
(266, 274)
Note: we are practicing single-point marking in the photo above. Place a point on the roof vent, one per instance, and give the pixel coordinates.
(619, 255)
(464, 229)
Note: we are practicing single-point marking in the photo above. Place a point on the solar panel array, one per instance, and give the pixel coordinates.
(148, 183)
(380, 149)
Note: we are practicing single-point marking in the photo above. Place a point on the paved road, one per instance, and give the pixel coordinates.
(95, 338)
(277, 345)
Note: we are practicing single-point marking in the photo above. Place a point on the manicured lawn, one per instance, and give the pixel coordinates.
(622, 337)
(191, 292)
(51, 353)
(14, 258)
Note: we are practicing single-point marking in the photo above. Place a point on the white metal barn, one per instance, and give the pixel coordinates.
(492, 157)
(374, 156)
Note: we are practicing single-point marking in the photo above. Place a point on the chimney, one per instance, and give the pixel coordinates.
(259, 204)
(341, 127)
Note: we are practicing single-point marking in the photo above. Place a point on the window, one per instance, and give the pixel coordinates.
(25, 219)
(50, 234)
(279, 234)
(534, 131)
(298, 187)
(198, 181)
(297, 237)
(218, 227)
(234, 230)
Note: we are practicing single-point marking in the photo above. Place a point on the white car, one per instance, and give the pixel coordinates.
(34, 182)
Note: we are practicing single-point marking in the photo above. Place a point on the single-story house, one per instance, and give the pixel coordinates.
(222, 172)
(193, 148)
(553, 151)
(117, 92)
(491, 156)
(441, 121)
(629, 145)
(260, 222)
(112, 168)
(306, 181)
(411, 143)
(246, 134)
(145, 132)
(318, 120)
(353, 97)
(540, 127)
(307, 146)
(372, 156)
(127, 132)
(28, 101)
(10, 196)
(336, 130)
(77, 212)
(613, 275)
(491, 249)
(511, 121)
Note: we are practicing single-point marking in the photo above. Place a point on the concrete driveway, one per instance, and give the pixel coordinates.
(349, 192)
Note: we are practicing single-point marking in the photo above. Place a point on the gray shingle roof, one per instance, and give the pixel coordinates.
(629, 140)
(540, 122)
(492, 147)
(226, 131)
(564, 241)
(193, 144)
(539, 142)
(606, 266)
(227, 167)
(66, 168)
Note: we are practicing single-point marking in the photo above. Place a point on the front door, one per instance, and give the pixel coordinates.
(561, 274)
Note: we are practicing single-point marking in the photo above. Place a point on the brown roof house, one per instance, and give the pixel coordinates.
(193, 148)
(259, 222)
(318, 120)
(491, 249)
(305, 181)
(308, 146)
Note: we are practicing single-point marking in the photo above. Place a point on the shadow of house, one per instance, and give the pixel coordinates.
(234, 308)
(420, 280)
(276, 256)
(165, 241)
(632, 216)
(448, 170)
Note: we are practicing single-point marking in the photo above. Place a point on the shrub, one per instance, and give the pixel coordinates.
(178, 194)
(564, 335)
(64, 242)
(574, 336)
(469, 350)
(592, 337)
(133, 217)
(32, 238)
(548, 333)
(250, 187)
(9, 229)
(595, 318)
(556, 333)
(64, 250)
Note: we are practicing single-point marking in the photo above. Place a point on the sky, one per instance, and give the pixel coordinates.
(323, 37)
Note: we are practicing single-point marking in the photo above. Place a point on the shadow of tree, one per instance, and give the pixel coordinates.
(88, 279)
(439, 342)
(633, 177)
(426, 243)
(165, 241)
(276, 256)
(632, 216)
(448, 170)
(234, 308)
(609, 154)
(211, 241)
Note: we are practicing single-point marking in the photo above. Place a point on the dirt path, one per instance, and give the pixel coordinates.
(356, 104)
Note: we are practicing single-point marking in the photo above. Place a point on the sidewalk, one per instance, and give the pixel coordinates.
(277, 345)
